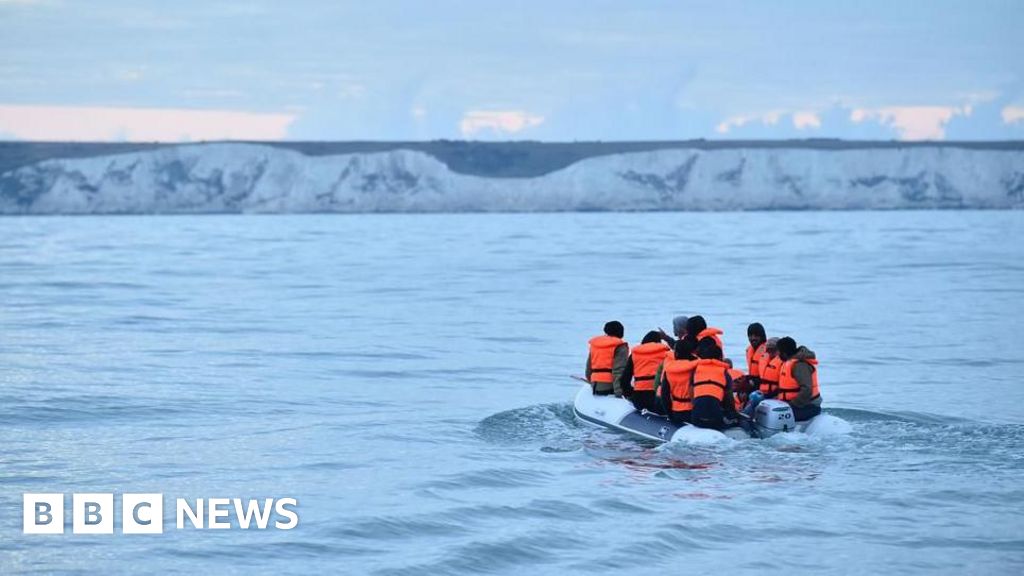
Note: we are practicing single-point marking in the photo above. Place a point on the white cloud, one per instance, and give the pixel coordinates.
(1013, 114)
(130, 73)
(770, 118)
(913, 122)
(802, 120)
(734, 122)
(84, 123)
(497, 122)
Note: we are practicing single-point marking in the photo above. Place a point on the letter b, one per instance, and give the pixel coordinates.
(43, 514)
(92, 513)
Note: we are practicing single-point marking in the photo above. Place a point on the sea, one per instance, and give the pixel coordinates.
(407, 380)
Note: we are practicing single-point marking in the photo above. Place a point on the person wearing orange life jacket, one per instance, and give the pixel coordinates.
(697, 329)
(713, 333)
(758, 340)
(695, 325)
(607, 360)
(673, 382)
(711, 388)
(768, 383)
(642, 368)
(768, 366)
(740, 385)
(798, 379)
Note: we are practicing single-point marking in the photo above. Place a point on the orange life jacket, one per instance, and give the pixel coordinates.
(714, 333)
(788, 386)
(770, 375)
(763, 358)
(736, 400)
(602, 357)
(646, 359)
(754, 359)
(677, 374)
(709, 378)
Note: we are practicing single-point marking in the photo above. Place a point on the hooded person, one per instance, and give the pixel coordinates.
(741, 385)
(768, 381)
(672, 383)
(697, 328)
(695, 325)
(607, 360)
(678, 329)
(711, 388)
(798, 379)
(642, 368)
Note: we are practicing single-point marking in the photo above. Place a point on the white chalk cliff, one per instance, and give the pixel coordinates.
(227, 178)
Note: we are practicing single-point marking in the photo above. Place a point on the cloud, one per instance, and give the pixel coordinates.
(733, 122)
(802, 120)
(498, 122)
(82, 123)
(130, 73)
(770, 118)
(913, 122)
(1013, 114)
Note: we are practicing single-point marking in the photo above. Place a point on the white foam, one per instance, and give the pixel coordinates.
(692, 435)
(825, 425)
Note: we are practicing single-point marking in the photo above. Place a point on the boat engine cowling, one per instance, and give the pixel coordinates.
(774, 416)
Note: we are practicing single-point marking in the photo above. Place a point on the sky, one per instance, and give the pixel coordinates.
(554, 70)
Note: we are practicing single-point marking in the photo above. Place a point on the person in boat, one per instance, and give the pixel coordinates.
(758, 339)
(712, 402)
(741, 386)
(767, 383)
(673, 382)
(642, 369)
(607, 360)
(798, 379)
(697, 329)
(686, 332)
(695, 325)
(678, 328)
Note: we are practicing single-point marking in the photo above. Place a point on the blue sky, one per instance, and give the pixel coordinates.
(555, 70)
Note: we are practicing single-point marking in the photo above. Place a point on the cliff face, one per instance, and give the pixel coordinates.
(228, 178)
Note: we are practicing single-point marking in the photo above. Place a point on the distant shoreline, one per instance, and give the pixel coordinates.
(513, 159)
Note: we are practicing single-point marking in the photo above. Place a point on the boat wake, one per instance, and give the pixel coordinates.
(553, 427)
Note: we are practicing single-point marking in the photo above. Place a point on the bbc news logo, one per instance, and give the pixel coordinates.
(94, 513)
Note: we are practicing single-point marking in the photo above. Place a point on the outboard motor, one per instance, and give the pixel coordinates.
(772, 417)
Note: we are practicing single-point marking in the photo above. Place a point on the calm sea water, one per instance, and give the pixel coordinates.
(406, 379)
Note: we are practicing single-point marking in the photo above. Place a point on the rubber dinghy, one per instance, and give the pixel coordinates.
(771, 417)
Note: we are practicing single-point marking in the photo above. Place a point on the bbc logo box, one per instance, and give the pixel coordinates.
(93, 513)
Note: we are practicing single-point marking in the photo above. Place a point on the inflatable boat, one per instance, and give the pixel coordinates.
(770, 418)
